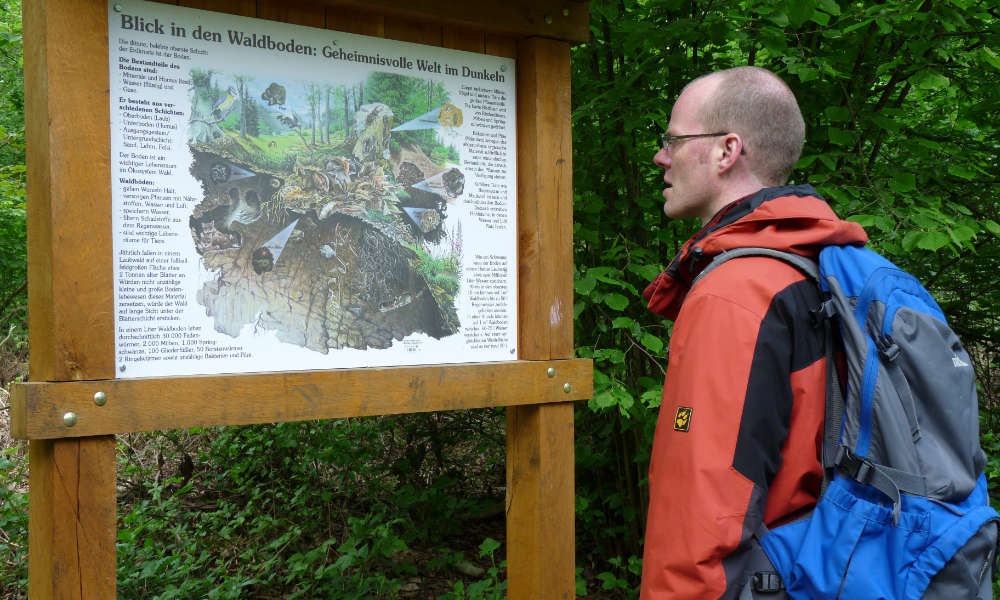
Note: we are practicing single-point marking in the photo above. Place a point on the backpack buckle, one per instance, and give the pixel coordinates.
(889, 349)
(823, 312)
(853, 466)
(767, 582)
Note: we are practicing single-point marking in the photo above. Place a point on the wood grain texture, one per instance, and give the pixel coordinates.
(501, 45)
(354, 21)
(458, 38)
(72, 526)
(540, 463)
(67, 113)
(545, 200)
(243, 8)
(296, 12)
(540, 503)
(557, 19)
(180, 402)
(409, 30)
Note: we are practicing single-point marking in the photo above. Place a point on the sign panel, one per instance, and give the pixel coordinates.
(290, 198)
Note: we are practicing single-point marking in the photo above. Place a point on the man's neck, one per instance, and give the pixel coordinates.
(732, 195)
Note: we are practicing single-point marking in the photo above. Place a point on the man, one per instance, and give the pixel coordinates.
(741, 424)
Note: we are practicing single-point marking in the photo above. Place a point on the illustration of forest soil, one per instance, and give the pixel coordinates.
(323, 224)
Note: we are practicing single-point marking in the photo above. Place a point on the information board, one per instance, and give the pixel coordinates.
(290, 198)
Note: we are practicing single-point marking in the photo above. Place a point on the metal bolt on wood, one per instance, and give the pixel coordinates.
(69, 419)
(551, 372)
(100, 398)
(567, 388)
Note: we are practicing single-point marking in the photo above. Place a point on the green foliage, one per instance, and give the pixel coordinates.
(13, 520)
(900, 110)
(13, 236)
(313, 510)
(618, 578)
(489, 588)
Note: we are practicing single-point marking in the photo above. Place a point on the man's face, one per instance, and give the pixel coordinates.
(687, 164)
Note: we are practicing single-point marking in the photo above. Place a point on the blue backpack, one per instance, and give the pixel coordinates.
(904, 512)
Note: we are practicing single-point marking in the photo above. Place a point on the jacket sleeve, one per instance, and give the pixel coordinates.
(718, 443)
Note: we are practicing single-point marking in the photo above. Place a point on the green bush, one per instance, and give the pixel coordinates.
(317, 509)
(13, 525)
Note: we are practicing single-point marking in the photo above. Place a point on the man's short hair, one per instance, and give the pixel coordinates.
(756, 104)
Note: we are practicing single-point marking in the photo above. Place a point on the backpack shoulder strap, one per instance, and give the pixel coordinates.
(835, 404)
(807, 266)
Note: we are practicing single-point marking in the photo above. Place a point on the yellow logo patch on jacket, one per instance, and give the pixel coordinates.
(682, 420)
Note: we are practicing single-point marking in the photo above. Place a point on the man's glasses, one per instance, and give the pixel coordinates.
(667, 140)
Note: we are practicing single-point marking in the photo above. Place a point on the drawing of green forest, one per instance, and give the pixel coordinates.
(323, 223)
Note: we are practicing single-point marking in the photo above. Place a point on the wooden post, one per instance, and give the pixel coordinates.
(540, 502)
(71, 513)
(540, 483)
(71, 548)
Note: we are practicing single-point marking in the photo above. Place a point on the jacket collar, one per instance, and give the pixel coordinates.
(792, 218)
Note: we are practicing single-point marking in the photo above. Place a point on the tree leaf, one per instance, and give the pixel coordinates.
(585, 286)
(959, 170)
(625, 400)
(647, 272)
(932, 240)
(820, 17)
(779, 18)
(603, 399)
(799, 11)
(858, 25)
(652, 398)
(622, 323)
(990, 57)
(652, 342)
(840, 137)
(616, 301)
(903, 182)
(837, 113)
(829, 161)
(930, 80)
(863, 220)
(886, 123)
(961, 234)
(830, 6)
(991, 226)
(884, 223)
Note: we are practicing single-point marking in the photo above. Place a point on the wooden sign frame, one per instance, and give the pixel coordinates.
(71, 317)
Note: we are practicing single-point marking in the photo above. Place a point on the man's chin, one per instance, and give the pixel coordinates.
(669, 206)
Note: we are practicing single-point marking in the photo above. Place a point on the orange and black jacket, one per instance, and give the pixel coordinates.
(741, 424)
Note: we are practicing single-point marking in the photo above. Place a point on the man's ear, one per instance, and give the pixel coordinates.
(728, 151)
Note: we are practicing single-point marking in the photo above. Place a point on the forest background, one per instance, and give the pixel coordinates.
(901, 105)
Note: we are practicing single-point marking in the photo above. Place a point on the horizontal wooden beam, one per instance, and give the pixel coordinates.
(567, 20)
(38, 408)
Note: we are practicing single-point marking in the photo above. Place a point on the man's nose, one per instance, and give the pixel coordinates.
(662, 158)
